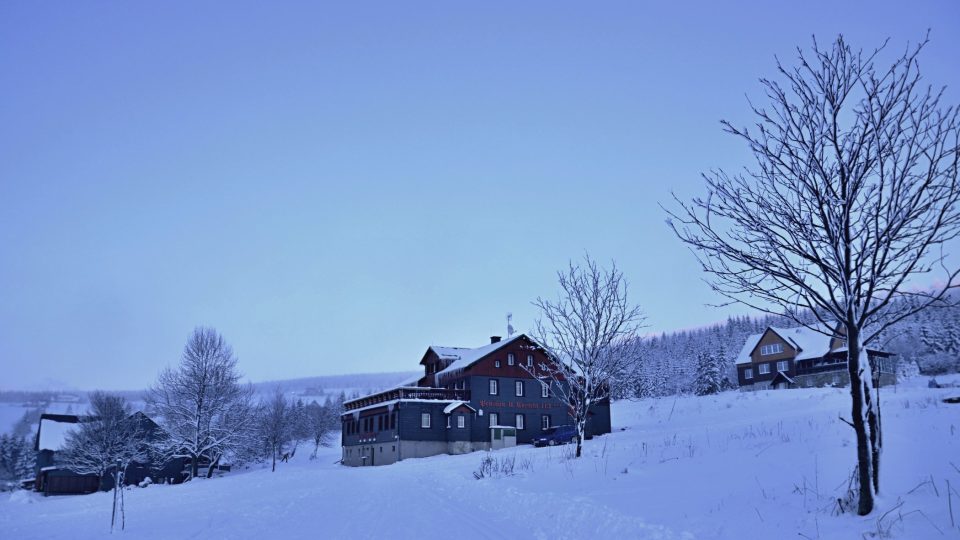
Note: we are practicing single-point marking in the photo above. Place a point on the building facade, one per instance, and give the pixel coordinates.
(466, 400)
(803, 357)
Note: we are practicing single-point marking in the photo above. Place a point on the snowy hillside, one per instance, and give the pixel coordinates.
(739, 465)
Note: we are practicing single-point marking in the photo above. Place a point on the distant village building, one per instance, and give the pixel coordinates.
(468, 399)
(52, 478)
(803, 357)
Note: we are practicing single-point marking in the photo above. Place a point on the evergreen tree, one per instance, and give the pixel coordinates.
(709, 378)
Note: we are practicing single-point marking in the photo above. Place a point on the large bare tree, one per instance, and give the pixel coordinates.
(846, 211)
(590, 334)
(203, 408)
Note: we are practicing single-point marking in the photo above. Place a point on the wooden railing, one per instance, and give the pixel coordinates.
(439, 394)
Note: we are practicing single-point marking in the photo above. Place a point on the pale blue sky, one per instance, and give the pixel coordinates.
(337, 186)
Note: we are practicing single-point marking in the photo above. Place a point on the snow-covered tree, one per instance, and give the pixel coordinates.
(205, 411)
(277, 424)
(590, 334)
(319, 421)
(853, 197)
(25, 460)
(107, 440)
(709, 374)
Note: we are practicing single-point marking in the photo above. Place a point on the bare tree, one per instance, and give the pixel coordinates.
(318, 422)
(107, 435)
(204, 409)
(106, 442)
(853, 195)
(277, 424)
(590, 334)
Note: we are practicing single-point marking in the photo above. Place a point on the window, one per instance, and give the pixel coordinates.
(518, 388)
(494, 419)
(448, 421)
(783, 365)
(764, 368)
(425, 420)
(496, 363)
(544, 421)
(461, 422)
(529, 360)
(748, 373)
(773, 348)
(544, 389)
(511, 360)
(494, 387)
(520, 422)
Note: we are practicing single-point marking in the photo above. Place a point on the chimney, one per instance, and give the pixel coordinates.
(494, 339)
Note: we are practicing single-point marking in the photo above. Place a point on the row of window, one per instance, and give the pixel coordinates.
(512, 361)
(367, 424)
(425, 421)
(764, 369)
(773, 348)
(518, 388)
(494, 418)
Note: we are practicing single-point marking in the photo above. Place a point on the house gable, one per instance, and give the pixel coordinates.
(771, 337)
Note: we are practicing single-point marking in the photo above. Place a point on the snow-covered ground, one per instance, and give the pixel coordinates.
(739, 465)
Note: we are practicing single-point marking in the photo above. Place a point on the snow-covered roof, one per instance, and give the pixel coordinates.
(453, 406)
(408, 382)
(782, 375)
(53, 433)
(463, 357)
(808, 342)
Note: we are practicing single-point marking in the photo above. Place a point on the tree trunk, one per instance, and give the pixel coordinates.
(274, 452)
(857, 389)
(194, 466)
(213, 465)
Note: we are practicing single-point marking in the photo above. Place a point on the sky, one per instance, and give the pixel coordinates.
(336, 186)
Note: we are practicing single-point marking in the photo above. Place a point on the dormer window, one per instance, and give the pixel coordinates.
(773, 348)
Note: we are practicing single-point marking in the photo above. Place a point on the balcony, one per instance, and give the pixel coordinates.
(436, 394)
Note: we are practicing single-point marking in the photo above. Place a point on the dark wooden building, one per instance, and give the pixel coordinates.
(467, 399)
(803, 357)
(52, 478)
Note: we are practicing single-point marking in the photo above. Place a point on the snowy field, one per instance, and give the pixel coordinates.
(738, 465)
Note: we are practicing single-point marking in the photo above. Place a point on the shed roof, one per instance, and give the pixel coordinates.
(455, 405)
(53, 431)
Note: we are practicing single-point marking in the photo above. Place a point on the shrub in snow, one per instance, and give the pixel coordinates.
(146, 482)
(491, 467)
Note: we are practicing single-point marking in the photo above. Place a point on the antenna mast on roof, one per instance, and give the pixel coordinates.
(510, 330)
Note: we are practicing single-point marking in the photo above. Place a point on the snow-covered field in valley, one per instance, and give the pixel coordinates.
(739, 465)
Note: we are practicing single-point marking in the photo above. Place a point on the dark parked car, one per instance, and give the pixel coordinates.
(556, 435)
